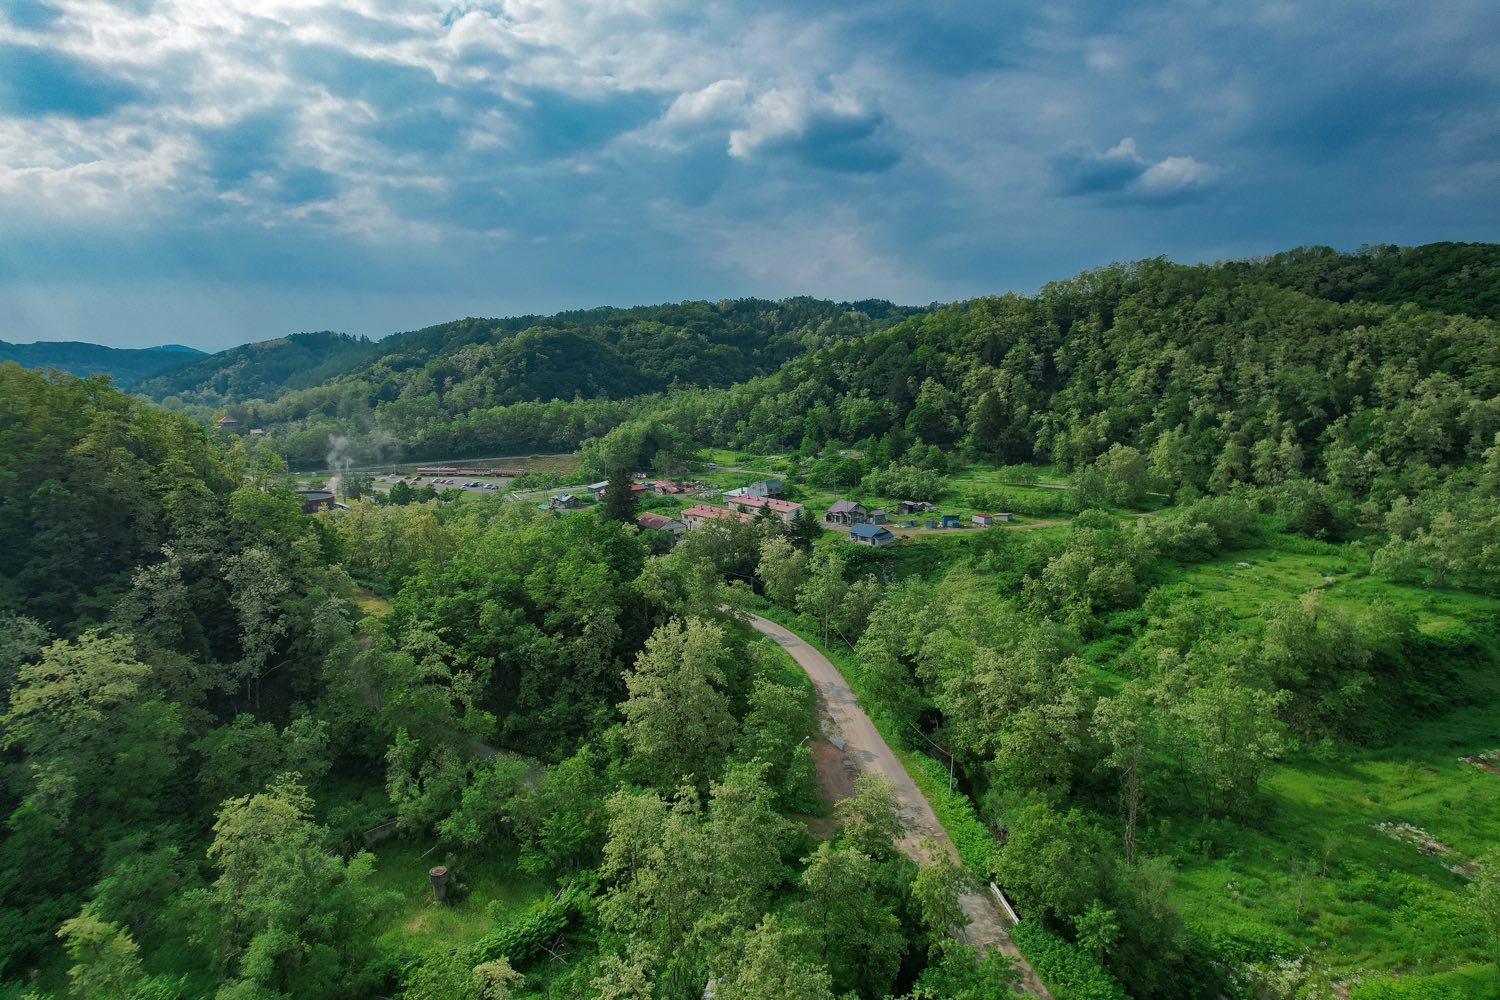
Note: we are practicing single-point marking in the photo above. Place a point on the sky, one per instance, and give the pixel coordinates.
(211, 172)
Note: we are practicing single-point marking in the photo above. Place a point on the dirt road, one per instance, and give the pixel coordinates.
(869, 753)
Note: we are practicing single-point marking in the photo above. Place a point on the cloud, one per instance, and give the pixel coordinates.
(521, 155)
(837, 132)
(1122, 171)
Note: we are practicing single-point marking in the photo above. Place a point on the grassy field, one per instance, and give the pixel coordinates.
(494, 887)
(1358, 859)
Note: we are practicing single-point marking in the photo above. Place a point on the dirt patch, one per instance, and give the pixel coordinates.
(1487, 761)
(834, 783)
(1428, 844)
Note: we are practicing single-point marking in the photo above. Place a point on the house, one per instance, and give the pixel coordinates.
(913, 507)
(700, 514)
(315, 500)
(227, 423)
(949, 521)
(846, 512)
(983, 520)
(566, 501)
(667, 487)
(871, 534)
(878, 517)
(787, 510)
(660, 522)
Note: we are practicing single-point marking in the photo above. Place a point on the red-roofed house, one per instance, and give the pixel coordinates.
(701, 514)
(660, 522)
(787, 510)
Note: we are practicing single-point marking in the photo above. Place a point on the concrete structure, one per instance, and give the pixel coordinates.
(764, 488)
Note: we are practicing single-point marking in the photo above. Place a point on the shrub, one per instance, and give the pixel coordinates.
(1068, 970)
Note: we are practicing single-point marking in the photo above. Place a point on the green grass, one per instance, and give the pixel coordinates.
(1379, 904)
(420, 923)
(1272, 575)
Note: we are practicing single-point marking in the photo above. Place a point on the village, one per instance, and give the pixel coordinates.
(676, 506)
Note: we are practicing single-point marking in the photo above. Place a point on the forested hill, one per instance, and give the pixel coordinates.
(1459, 278)
(604, 352)
(1214, 372)
(126, 366)
(458, 385)
(1195, 359)
(264, 369)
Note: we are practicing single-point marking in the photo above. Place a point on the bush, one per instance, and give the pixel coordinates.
(904, 482)
(522, 938)
(1068, 970)
(1238, 944)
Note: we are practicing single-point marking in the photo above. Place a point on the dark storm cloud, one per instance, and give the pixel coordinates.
(516, 156)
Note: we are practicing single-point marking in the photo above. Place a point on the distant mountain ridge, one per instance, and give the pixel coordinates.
(261, 370)
(606, 352)
(126, 365)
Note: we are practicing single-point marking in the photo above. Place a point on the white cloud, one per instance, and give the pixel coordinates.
(1176, 174)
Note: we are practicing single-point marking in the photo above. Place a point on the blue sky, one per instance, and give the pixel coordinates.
(210, 171)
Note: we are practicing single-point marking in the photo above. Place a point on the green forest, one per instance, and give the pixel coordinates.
(464, 387)
(1217, 707)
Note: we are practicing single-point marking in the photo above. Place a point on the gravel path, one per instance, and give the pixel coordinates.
(868, 752)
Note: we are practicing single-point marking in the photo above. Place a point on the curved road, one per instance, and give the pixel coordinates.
(870, 753)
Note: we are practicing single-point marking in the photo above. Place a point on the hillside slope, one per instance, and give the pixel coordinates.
(264, 368)
(126, 366)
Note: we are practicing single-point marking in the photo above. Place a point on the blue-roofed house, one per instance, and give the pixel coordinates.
(871, 534)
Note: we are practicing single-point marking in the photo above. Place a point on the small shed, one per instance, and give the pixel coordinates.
(950, 520)
(913, 507)
(597, 489)
(315, 500)
(871, 534)
(1002, 518)
(930, 522)
(983, 520)
(878, 517)
(566, 501)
